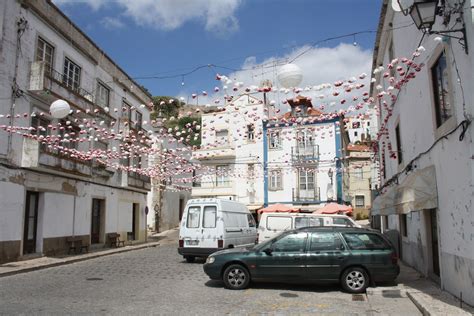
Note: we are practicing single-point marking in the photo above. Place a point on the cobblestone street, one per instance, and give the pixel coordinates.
(159, 281)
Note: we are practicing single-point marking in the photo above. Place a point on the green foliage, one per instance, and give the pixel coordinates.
(162, 103)
(187, 132)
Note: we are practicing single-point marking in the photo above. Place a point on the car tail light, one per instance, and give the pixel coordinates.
(394, 257)
(220, 243)
(181, 243)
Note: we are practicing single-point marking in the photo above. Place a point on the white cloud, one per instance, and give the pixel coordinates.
(112, 23)
(319, 65)
(217, 15)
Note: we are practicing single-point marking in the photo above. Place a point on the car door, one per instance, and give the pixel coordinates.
(326, 256)
(283, 259)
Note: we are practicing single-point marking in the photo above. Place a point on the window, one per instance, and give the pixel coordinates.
(399, 144)
(251, 220)
(342, 221)
(304, 139)
(103, 94)
(45, 52)
(278, 223)
(209, 217)
(440, 81)
(360, 201)
(250, 132)
(403, 225)
(196, 182)
(275, 141)
(222, 178)
(306, 179)
(356, 124)
(222, 136)
(70, 133)
(308, 221)
(138, 120)
(275, 180)
(100, 145)
(71, 75)
(361, 241)
(368, 124)
(355, 133)
(391, 56)
(41, 126)
(194, 214)
(325, 242)
(359, 173)
(290, 243)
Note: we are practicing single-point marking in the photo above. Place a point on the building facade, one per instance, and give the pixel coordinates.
(61, 178)
(426, 143)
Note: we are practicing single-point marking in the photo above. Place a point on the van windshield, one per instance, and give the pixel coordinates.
(194, 215)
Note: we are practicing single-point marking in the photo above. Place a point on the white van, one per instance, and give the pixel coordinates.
(272, 224)
(209, 225)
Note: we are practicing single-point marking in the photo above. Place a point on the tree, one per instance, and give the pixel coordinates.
(187, 127)
(168, 109)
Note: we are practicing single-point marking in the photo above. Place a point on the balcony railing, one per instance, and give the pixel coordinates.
(308, 153)
(303, 196)
(61, 79)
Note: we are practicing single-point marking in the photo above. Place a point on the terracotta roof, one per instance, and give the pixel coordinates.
(353, 147)
(300, 100)
(310, 112)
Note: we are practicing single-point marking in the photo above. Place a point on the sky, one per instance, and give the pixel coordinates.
(168, 38)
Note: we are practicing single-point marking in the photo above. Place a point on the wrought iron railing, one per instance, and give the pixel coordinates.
(62, 79)
(306, 195)
(307, 153)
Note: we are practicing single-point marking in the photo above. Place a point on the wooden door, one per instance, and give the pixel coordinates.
(434, 241)
(95, 221)
(31, 222)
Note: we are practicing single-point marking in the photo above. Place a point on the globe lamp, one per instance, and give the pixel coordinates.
(290, 75)
(59, 109)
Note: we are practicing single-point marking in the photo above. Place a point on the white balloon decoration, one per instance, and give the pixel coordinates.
(59, 109)
(290, 75)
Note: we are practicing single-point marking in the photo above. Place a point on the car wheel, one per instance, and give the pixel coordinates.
(190, 259)
(236, 277)
(355, 280)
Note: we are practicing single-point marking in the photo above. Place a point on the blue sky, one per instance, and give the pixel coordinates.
(169, 37)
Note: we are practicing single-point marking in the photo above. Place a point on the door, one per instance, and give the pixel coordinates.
(434, 241)
(306, 185)
(285, 260)
(190, 230)
(96, 221)
(135, 220)
(326, 256)
(208, 230)
(181, 209)
(31, 222)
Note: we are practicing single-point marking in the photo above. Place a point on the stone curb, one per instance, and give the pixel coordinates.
(79, 258)
(424, 303)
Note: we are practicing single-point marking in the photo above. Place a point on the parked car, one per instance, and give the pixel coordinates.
(209, 225)
(355, 257)
(272, 224)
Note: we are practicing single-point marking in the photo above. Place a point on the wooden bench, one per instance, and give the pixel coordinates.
(114, 240)
(75, 244)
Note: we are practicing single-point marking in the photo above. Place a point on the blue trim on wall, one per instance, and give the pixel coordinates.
(338, 163)
(265, 165)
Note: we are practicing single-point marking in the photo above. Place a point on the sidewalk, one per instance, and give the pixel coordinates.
(423, 292)
(16, 267)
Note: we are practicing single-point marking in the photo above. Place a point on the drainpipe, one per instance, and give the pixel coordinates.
(265, 165)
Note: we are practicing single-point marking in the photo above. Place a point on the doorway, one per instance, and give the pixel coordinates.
(97, 220)
(31, 222)
(433, 236)
(135, 221)
(181, 208)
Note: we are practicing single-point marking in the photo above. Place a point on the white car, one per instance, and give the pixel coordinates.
(272, 224)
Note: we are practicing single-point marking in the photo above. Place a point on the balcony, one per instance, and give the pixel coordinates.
(50, 85)
(305, 154)
(139, 181)
(306, 196)
(222, 152)
(213, 188)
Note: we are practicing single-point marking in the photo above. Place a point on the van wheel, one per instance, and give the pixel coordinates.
(236, 277)
(190, 259)
(354, 280)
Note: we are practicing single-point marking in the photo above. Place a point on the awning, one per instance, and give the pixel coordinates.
(384, 203)
(417, 192)
(279, 208)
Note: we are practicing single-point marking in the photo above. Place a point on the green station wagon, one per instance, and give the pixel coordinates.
(354, 257)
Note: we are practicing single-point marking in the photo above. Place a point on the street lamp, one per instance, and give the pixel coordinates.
(424, 12)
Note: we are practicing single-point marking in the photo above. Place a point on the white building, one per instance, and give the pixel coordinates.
(303, 158)
(169, 194)
(426, 145)
(231, 153)
(51, 191)
(294, 160)
(363, 127)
